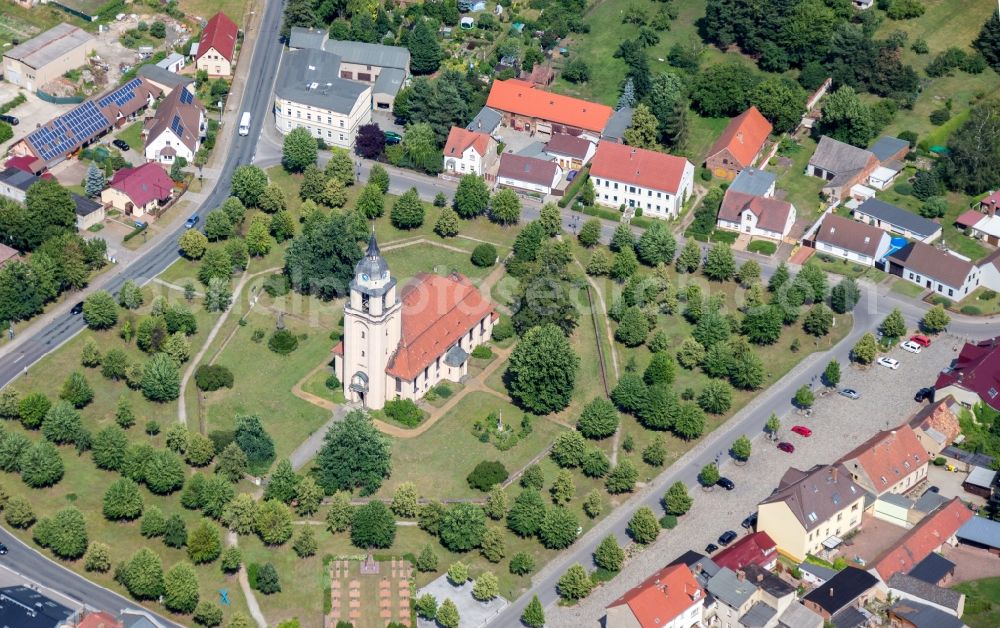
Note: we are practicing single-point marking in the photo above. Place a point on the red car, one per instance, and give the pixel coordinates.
(921, 340)
(786, 447)
(802, 430)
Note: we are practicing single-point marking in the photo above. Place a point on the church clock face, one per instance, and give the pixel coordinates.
(364, 277)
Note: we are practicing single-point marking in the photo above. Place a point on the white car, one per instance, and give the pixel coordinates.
(889, 363)
(910, 346)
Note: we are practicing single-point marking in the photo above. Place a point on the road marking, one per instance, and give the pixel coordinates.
(17, 359)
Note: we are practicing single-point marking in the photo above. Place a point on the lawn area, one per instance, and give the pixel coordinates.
(205, 9)
(800, 190)
(132, 134)
(982, 602)
(910, 289)
(983, 299)
(317, 386)
(944, 23)
(845, 268)
(407, 261)
(19, 24)
(951, 235)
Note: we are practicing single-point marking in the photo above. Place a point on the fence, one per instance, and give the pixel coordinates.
(59, 100)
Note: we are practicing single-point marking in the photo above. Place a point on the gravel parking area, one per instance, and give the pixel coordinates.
(838, 423)
(971, 563)
(875, 537)
(949, 484)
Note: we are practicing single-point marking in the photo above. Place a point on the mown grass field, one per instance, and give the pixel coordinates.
(982, 602)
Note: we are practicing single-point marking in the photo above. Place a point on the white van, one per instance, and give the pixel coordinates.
(245, 123)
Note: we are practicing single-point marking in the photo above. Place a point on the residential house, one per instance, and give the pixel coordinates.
(385, 68)
(891, 461)
(14, 184)
(842, 166)
(175, 129)
(174, 62)
(670, 598)
(139, 191)
(936, 425)
(754, 549)
(217, 46)
(911, 614)
(851, 240)
(757, 216)
(940, 271)
(810, 509)
(930, 535)
(619, 122)
(935, 569)
(47, 56)
(990, 202)
(165, 80)
(754, 182)
(982, 533)
(470, 152)
(752, 596)
(981, 482)
(311, 94)
(916, 590)
(625, 176)
(798, 615)
(528, 174)
(531, 110)
(850, 588)
(26, 607)
(884, 176)
(486, 121)
(897, 220)
(7, 254)
(571, 153)
(702, 567)
(740, 144)
(982, 222)
(975, 375)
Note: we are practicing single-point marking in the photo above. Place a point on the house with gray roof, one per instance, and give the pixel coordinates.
(842, 166)
(486, 121)
(798, 616)
(909, 588)
(618, 123)
(754, 182)
(917, 615)
(367, 63)
(982, 533)
(311, 94)
(14, 184)
(852, 240)
(887, 148)
(815, 575)
(752, 597)
(897, 220)
(850, 588)
(164, 79)
(934, 569)
(929, 267)
(733, 593)
(302, 37)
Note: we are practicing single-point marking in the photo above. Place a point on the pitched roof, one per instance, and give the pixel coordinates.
(304, 37)
(164, 77)
(487, 120)
(437, 312)
(619, 122)
(460, 139)
(767, 581)
(933, 262)
(980, 531)
(851, 235)
(981, 476)
(744, 136)
(923, 616)
(933, 568)
(772, 214)
(753, 181)
(522, 98)
(815, 495)
(759, 615)
(731, 588)
(7, 254)
(842, 589)
(662, 597)
(835, 156)
(926, 590)
(370, 54)
(886, 458)
(638, 166)
(101, 619)
(527, 169)
(389, 81)
(928, 535)
(312, 77)
(569, 145)
(144, 183)
(31, 609)
(821, 572)
(220, 34)
(754, 549)
(26, 163)
(898, 217)
(887, 147)
(181, 113)
(939, 417)
(50, 46)
(17, 178)
(977, 368)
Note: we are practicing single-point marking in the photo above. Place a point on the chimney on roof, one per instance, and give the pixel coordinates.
(833, 473)
(831, 591)
(760, 577)
(741, 575)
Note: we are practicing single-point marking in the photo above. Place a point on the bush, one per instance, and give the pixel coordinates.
(668, 522)
(482, 352)
(332, 382)
(283, 342)
(404, 411)
(503, 330)
(987, 295)
(972, 310)
(940, 461)
(903, 188)
(486, 474)
(484, 255)
(210, 377)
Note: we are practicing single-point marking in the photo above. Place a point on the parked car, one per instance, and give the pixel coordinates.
(391, 137)
(711, 548)
(727, 537)
(9, 119)
(77, 309)
(921, 340)
(3, 549)
(889, 363)
(750, 521)
(924, 393)
(191, 222)
(932, 489)
(726, 483)
(121, 144)
(802, 430)
(850, 393)
(787, 447)
(572, 175)
(910, 346)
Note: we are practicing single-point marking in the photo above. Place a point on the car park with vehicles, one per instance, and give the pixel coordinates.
(921, 340)
(889, 363)
(727, 537)
(786, 447)
(910, 346)
(802, 430)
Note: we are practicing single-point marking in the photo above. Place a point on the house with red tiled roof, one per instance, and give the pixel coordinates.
(930, 535)
(397, 345)
(571, 153)
(102, 619)
(525, 107)
(217, 46)
(656, 183)
(759, 216)
(139, 191)
(974, 376)
(740, 144)
(670, 598)
(754, 549)
(470, 152)
(936, 425)
(891, 461)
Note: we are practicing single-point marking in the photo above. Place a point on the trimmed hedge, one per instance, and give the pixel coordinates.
(574, 187)
(403, 411)
(486, 474)
(764, 247)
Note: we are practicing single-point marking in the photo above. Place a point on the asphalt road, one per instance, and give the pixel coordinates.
(256, 100)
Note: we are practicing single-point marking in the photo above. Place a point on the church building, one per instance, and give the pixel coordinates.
(398, 344)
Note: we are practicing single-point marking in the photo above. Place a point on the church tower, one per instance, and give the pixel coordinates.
(372, 328)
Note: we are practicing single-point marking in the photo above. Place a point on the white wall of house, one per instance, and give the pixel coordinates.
(989, 276)
(528, 185)
(749, 224)
(882, 177)
(165, 139)
(891, 228)
(853, 256)
(336, 128)
(654, 203)
(11, 192)
(471, 161)
(952, 292)
(214, 63)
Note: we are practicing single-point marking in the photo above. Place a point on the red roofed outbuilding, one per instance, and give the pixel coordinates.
(626, 176)
(754, 549)
(139, 191)
(740, 144)
(217, 46)
(670, 598)
(930, 535)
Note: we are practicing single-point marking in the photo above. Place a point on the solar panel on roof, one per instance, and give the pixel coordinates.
(177, 127)
(186, 97)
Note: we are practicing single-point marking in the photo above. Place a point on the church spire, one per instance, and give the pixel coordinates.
(373, 251)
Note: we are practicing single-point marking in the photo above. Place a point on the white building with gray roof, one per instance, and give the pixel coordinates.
(386, 68)
(311, 94)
